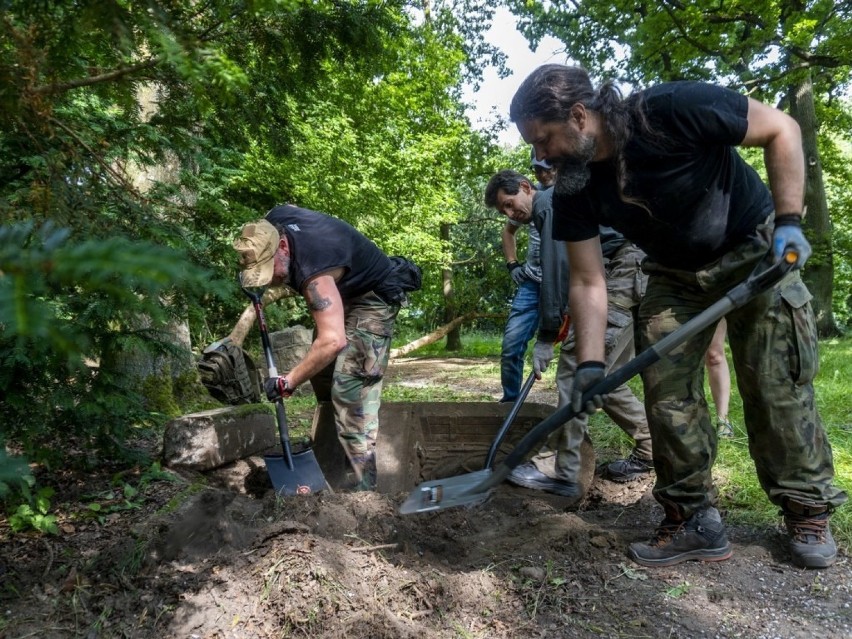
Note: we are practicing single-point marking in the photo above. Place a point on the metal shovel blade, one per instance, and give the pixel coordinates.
(304, 478)
(446, 493)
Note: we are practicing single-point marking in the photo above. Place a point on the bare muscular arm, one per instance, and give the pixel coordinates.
(326, 307)
(781, 139)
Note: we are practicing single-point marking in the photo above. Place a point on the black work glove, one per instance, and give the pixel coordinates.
(587, 375)
(276, 388)
(788, 236)
(516, 271)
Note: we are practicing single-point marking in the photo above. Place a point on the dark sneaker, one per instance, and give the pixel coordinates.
(700, 538)
(724, 428)
(811, 543)
(623, 470)
(528, 476)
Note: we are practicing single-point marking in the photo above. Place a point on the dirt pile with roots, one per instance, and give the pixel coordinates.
(198, 561)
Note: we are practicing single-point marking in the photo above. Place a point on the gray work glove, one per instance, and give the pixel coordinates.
(516, 270)
(542, 354)
(788, 236)
(587, 375)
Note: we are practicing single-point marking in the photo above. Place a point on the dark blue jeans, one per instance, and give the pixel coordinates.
(520, 329)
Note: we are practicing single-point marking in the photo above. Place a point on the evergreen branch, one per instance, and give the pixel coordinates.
(109, 76)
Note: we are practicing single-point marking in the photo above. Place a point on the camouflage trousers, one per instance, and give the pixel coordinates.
(774, 349)
(625, 287)
(353, 382)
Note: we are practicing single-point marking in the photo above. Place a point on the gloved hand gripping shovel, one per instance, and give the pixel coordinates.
(473, 488)
(291, 473)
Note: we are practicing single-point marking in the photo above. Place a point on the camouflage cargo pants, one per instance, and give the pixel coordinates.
(625, 287)
(354, 382)
(774, 349)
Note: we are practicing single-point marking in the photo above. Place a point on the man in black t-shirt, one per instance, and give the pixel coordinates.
(347, 282)
(661, 167)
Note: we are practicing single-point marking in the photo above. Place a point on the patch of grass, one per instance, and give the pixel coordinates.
(474, 344)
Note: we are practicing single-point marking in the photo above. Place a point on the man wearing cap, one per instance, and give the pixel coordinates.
(349, 286)
(523, 315)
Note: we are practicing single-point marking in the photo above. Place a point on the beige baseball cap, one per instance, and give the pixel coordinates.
(257, 244)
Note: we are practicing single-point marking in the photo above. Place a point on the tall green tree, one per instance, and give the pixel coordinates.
(794, 53)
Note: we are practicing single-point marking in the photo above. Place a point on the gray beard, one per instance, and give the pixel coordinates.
(571, 178)
(573, 172)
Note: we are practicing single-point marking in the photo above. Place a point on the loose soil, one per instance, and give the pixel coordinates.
(191, 558)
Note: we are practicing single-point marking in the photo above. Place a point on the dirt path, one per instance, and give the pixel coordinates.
(195, 561)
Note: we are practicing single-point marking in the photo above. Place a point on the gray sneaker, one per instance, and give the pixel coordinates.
(624, 470)
(700, 538)
(528, 476)
(811, 543)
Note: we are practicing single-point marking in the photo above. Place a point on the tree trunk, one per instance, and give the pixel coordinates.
(454, 342)
(819, 270)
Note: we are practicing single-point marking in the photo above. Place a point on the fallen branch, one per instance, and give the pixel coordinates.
(434, 336)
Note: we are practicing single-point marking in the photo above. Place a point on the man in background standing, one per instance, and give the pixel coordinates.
(523, 315)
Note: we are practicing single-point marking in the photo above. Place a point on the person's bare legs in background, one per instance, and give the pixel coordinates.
(720, 379)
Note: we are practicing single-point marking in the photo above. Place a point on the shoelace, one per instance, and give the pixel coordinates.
(665, 532)
(807, 530)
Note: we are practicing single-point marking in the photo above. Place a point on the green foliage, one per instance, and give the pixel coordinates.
(33, 513)
(66, 309)
(14, 473)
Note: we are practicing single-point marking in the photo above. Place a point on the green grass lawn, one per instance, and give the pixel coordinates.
(741, 496)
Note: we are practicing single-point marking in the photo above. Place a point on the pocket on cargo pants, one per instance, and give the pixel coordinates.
(369, 348)
(804, 360)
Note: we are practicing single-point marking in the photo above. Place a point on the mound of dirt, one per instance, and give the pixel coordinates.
(197, 560)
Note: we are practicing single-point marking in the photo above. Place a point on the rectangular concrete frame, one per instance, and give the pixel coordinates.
(421, 441)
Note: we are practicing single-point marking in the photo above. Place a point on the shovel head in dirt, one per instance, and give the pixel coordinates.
(303, 478)
(473, 488)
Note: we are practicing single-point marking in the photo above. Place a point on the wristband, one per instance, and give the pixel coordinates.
(788, 219)
(592, 364)
(513, 265)
(284, 387)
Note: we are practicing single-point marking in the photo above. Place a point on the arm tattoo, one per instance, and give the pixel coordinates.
(315, 302)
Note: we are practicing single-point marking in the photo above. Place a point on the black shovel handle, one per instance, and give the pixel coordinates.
(504, 428)
(738, 296)
(256, 297)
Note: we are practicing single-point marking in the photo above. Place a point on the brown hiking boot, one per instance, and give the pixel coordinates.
(811, 543)
(700, 538)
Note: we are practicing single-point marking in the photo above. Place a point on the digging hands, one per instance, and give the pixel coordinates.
(587, 375)
(276, 388)
(788, 237)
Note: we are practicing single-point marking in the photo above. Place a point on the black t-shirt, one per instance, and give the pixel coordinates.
(703, 197)
(320, 243)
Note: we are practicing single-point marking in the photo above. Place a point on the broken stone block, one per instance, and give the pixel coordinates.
(211, 438)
